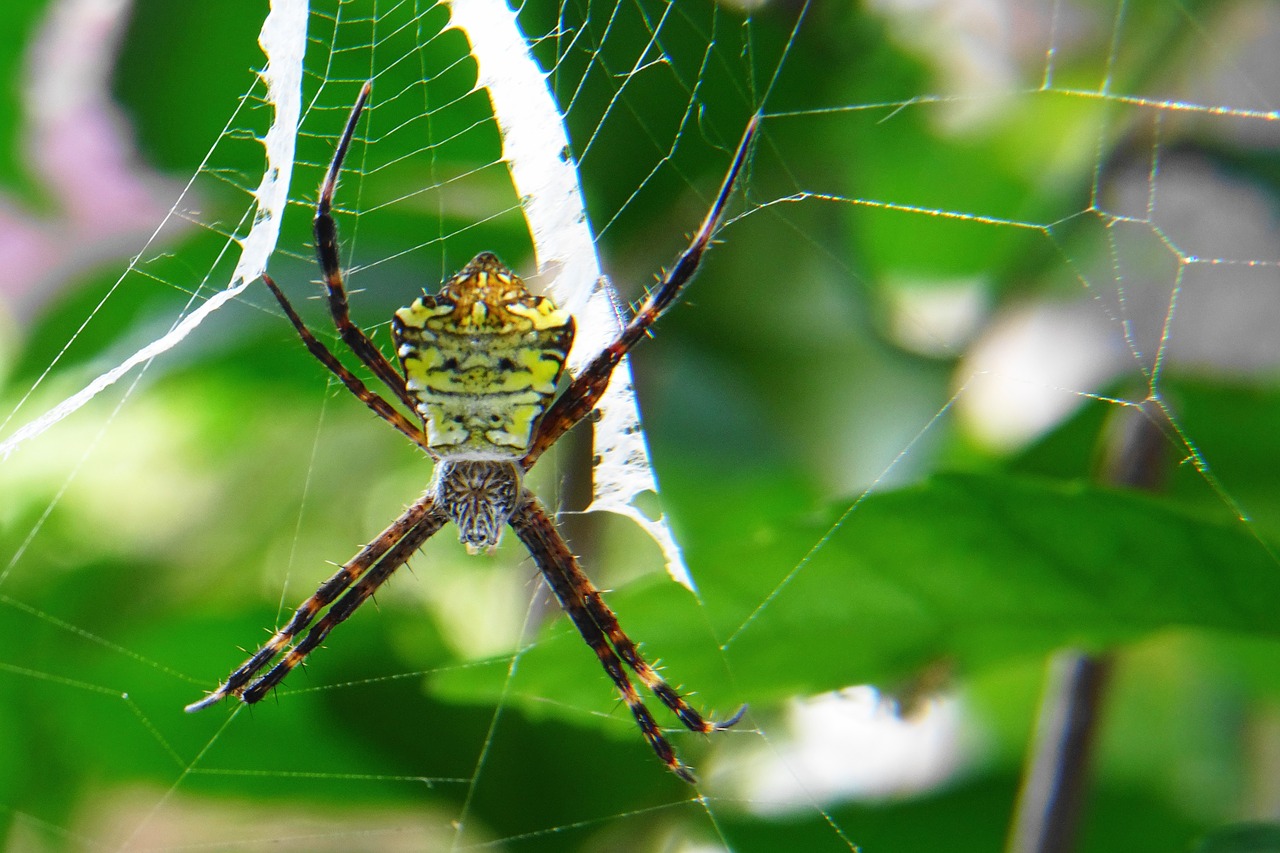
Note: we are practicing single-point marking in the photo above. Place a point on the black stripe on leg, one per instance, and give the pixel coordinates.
(393, 559)
(585, 391)
(327, 592)
(559, 568)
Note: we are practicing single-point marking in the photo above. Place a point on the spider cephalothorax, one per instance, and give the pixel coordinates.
(481, 360)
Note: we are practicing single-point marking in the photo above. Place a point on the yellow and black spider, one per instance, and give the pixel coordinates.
(481, 360)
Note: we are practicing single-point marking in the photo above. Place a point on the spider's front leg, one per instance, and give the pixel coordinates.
(599, 627)
(390, 549)
(582, 395)
(393, 559)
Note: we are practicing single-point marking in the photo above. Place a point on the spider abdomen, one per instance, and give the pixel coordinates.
(482, 358)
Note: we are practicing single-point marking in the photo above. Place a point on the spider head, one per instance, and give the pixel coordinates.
(479, 496)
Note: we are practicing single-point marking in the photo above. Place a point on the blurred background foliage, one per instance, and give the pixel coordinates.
(881, 430)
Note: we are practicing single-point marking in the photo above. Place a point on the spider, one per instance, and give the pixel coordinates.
(480, 363)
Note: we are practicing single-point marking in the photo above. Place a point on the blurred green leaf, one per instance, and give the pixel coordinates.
(971, 569)
(1241, 838)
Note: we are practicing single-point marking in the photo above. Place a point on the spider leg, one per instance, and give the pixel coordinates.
(582, 395)
(330, 258)
(422, 514)
(380, 407)
(599, 627)
(393, 559)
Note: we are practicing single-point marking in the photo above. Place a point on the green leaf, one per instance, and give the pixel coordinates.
(977, 570)
(1241, 838)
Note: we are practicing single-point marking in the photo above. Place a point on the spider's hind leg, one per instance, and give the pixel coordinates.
(580, 398)
(329, 256)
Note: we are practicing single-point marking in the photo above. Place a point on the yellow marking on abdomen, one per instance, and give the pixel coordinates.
(482, 358)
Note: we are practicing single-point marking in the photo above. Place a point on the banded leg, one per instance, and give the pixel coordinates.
(353, 384)
(330, 259)
(325, 356)
(393, 559)
(607, 620)
(415, 516)
(582, 395)
(599, 627)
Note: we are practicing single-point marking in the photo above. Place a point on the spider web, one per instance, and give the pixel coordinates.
(973, 237)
